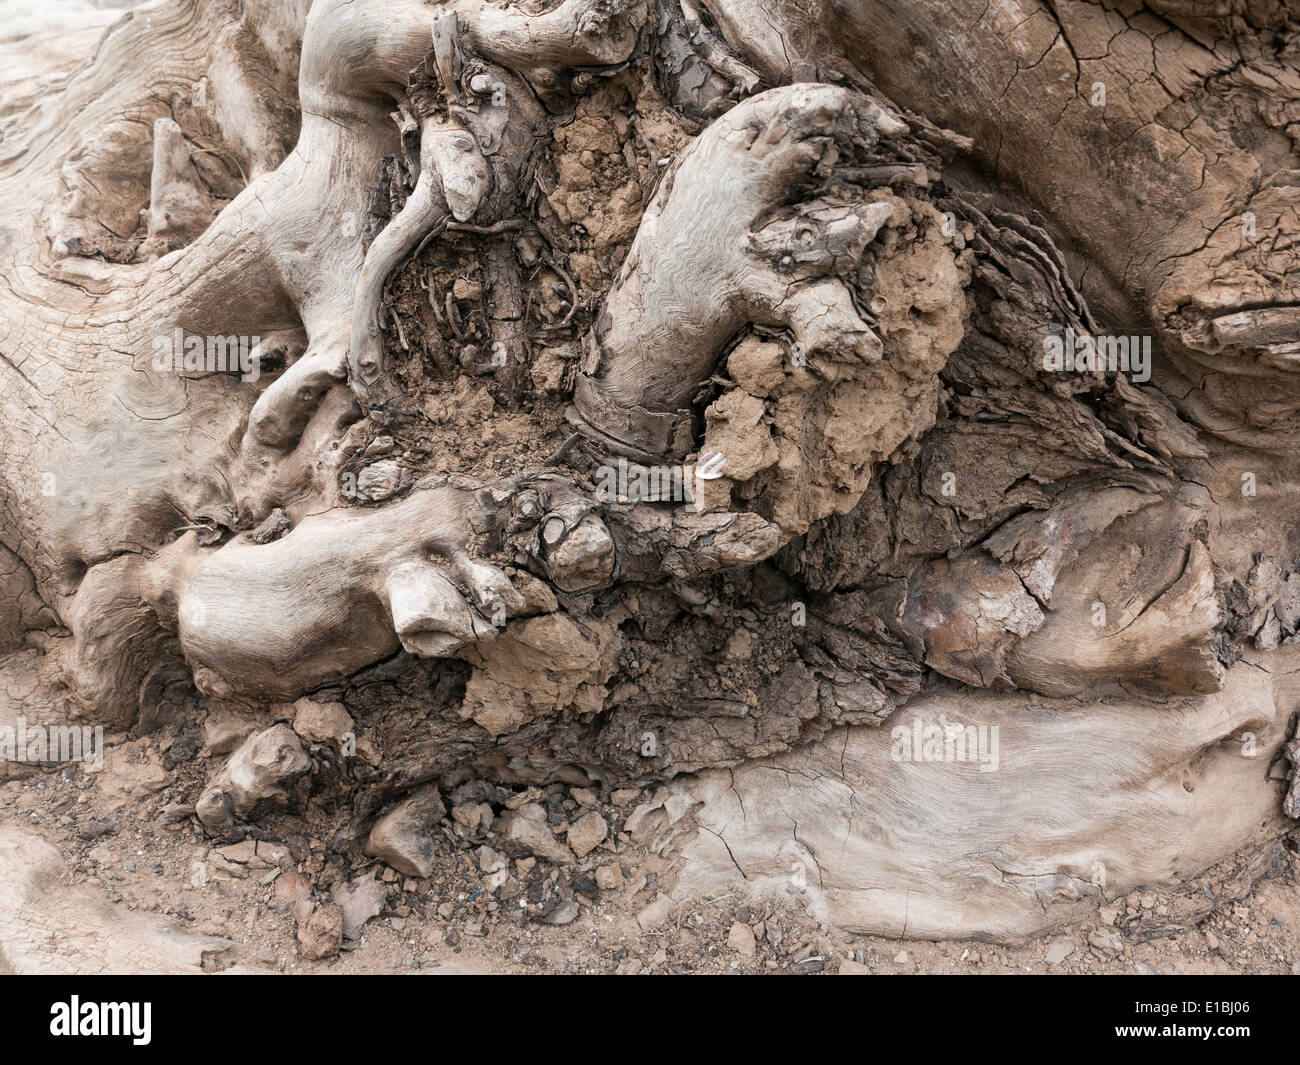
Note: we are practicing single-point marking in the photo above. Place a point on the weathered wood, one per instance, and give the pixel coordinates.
(830, 316)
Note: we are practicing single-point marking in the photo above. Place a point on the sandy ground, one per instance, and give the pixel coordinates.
(1240, 917)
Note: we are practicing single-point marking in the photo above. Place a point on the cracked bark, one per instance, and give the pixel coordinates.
(833, 293)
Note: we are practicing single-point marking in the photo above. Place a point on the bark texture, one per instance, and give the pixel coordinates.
(656, 394)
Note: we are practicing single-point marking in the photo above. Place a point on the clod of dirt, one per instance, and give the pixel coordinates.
(262, 768)
(321, 935)
(360, 900)
(402, 838)
(525, 833)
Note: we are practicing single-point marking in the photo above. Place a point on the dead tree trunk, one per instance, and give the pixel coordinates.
(670, 389)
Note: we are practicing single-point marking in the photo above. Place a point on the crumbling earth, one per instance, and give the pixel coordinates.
(113, 880)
